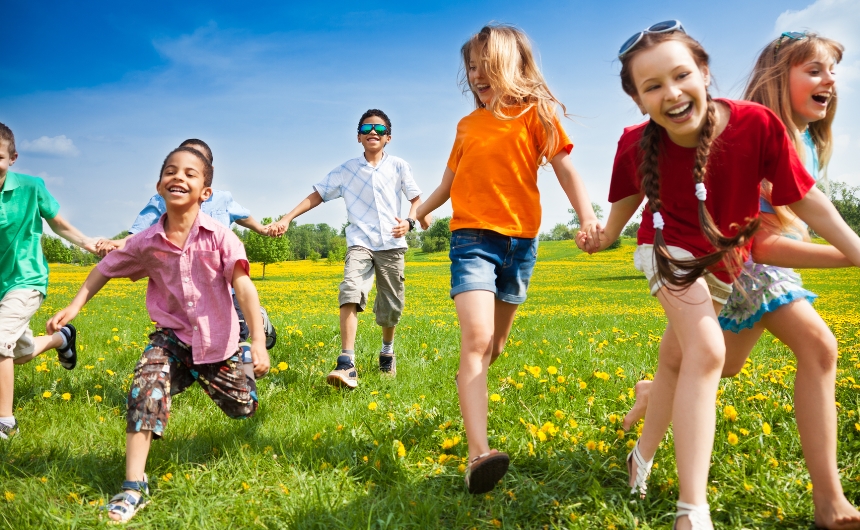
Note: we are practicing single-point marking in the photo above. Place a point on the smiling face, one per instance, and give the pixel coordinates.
(672, 89)
(373, 142)
(182, 183)
(812, 83)
(6, 159)
(478, 80)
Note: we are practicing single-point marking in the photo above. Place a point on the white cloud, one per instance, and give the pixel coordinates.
(56, 146)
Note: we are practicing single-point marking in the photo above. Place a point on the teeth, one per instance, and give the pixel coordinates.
(679, 110)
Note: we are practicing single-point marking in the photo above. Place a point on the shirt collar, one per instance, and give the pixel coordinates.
(12, 181)
(202, 221)
(366, 163)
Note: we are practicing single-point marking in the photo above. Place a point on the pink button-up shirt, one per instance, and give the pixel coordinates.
(189, 288)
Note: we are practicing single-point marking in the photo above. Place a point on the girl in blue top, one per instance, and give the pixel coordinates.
(794, 78)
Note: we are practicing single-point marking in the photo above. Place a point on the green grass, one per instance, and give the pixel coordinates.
(316, 457)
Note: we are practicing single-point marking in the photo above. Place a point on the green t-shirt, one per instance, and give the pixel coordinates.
(24, 201)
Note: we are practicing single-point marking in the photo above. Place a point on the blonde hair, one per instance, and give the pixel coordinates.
(513, 73)
(769, 85)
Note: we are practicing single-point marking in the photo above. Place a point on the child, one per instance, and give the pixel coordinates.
(682, 247)
(24, 202)
(491, 179)
(773, 298)
(191, 262)
(221, 207)
(370, 186)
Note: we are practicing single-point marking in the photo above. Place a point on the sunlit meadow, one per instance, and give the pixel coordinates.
(390, 454)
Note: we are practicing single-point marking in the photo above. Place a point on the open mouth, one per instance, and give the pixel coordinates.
(680, 112)
(821, 98)
(177, 190)
(482, 88)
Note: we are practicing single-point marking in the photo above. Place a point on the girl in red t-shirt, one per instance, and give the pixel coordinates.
(773, 297)
(696, 231)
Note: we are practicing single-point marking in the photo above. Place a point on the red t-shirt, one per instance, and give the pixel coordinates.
(753, 146)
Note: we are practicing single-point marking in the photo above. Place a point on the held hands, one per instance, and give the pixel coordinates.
(63, 317)
(590, 238)
(278, 228)
(91, 245)
(260, 358)
(424, 220)
(103, 246)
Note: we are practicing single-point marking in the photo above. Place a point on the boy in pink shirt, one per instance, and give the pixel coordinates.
(192, 262)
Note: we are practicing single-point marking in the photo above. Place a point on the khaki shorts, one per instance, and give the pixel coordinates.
(643, 260)
(16, 309)
(361, 266)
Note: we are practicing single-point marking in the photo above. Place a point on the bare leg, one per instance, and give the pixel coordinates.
(387, 334)
(738, 349)
(349, 326)
(137, 450)
(806, 334)
(504, 319)
(7, 386)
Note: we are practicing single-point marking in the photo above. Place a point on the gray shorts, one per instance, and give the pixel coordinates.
(361, 266)
(16, 309)
(643, 260)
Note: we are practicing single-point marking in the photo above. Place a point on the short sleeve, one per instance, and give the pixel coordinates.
(782, 166)
(150, 215)
(457, 149)
(625, 179)
(331, 187)
(564, 143)
(232, 254)
(407, 182)
(125, 262)
(235, 210)
(48, 205)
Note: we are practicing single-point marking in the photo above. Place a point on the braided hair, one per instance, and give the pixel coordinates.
(681, 273)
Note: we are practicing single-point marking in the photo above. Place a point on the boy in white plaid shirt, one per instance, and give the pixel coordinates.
(370, 185)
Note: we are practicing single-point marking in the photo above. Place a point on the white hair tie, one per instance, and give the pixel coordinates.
(658, 221)
(701, 192)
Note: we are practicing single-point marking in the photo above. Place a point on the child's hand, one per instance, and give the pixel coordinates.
(278, 228)
(63, 317)
(103, 246)
(581, 240)
(260, 358)
(401, 228)
(593, 240)
(91, 244)
(425, 221)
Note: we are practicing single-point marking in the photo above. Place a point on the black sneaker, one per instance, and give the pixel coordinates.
(269, 329)
(7, 432)
(344, 374)
(68, 356)
(387, 364)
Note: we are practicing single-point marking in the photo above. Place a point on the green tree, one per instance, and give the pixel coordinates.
(575, 223)
(265, 249)
(846, 199)
(630, 230)
(55, 250)
(438, 237)
(337, 250)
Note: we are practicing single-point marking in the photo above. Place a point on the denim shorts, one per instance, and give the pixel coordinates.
(483, 260)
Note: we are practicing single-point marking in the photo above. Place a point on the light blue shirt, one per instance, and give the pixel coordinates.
(372, 197)
(220, 206)
(811, 162)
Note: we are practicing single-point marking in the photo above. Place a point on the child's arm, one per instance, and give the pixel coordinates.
(820, 214)
(619, 215)
(249, 302)
(252, 224)
(403, 225)
(280, 226)
(576, 193)
(775, 249)
(436, 199)
(93, 284)
(67, 231)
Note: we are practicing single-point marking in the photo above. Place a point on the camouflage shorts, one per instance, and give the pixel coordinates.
(166, 368)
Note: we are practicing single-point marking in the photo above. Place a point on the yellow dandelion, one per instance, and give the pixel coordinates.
(765, 428)
(317, 436)
(732, 438)
(591, 445)
(97, 399)
(67, 396)
(401, 450)
(9, 496)
(551, 370)
(730, 413)
(559, 414)
(583, 385)
(282, 366)
(46, 394)
(372, 405)
(495, 397)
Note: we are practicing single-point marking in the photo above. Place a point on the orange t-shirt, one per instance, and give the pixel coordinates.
(495, 165)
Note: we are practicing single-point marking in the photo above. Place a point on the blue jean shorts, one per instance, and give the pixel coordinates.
(483, 260)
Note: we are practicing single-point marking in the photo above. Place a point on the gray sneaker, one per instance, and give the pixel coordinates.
(7, 432)
(344, 374)
(387, 364)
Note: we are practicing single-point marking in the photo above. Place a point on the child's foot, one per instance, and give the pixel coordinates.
(68, 354)
(485, 471)
(8, 431)
(344, 374)
(643, 392)
(836, 514)
(387, 364)
(123, 506)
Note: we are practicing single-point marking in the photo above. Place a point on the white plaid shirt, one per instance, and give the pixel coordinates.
(372, 196)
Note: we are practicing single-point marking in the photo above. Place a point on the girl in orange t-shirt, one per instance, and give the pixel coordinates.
(491, 179)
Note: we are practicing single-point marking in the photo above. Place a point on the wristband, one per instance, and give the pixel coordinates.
(411, 223)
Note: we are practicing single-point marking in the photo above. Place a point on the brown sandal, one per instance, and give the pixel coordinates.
(485, 471)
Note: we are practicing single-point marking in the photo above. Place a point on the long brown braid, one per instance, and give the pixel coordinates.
(681, 273)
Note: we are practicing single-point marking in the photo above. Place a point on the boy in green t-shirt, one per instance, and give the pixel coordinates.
(24, 202)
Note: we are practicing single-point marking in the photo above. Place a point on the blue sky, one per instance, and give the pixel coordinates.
(98, 93)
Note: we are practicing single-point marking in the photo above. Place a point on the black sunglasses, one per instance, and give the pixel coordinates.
(666, 26)
(366, 128)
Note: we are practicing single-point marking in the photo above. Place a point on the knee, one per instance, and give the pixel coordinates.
(823, 351)
(708, 358)
(476, 343)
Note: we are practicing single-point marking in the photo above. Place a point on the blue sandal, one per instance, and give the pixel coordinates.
(125, 504)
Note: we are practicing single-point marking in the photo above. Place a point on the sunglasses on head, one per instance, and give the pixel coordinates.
(667, 26)
(791, 35)
(380, 129)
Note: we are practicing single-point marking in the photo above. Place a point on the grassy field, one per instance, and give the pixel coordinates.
(390, 454)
